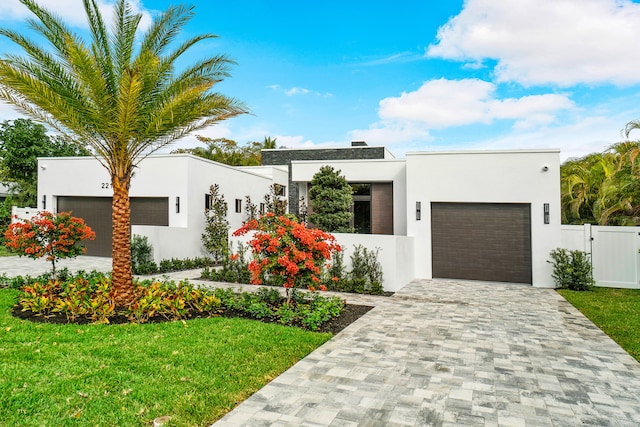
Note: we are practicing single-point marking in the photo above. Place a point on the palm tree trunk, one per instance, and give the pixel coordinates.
(121, 276)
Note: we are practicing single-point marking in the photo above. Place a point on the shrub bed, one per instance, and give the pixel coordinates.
(89, 298)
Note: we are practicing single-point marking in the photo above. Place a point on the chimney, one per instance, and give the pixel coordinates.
(358, 144)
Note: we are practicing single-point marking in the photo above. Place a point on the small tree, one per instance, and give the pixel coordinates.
(571, 269)
(288, 252)
(250, 209)
(331, 199)
(274, 202)
(302, 211)
(215, 237)
(47, 235)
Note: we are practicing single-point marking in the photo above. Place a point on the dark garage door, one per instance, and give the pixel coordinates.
(481, 241)
(96, 212)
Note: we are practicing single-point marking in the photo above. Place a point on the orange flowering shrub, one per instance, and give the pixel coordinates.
(48, 235)
(287, 252)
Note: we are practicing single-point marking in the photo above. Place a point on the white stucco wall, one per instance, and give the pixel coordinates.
(395, 255)
(381, 170)
(516, 176)
(180, 175)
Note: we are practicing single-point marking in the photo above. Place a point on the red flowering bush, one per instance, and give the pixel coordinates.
(287, 252)
(48, 235)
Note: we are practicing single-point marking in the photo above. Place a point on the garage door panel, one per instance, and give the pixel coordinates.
(96, 212)
(481, 241)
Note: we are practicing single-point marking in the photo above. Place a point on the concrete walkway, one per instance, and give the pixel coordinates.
(442, 353)
(14, 266)
(452, 353)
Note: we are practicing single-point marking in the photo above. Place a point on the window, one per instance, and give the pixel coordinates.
(207, 201)
(262, 208)
(238, 205)
(361, 219)
(361, 189)
(280, 190)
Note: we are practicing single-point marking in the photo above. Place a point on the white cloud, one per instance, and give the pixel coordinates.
(298, 91)
(563, 42)
(391, 133)
(289, 141)
(575, 139)
(444, 103)
(72, 11)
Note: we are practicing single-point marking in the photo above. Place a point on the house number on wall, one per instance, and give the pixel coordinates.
(105, 185)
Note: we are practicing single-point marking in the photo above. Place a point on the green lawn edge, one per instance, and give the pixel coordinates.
(126, 375)
(615, 311)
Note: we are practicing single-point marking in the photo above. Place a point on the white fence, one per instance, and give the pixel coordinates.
(613, 250)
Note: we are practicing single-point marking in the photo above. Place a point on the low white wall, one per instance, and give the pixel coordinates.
(175, 242)
(18, 214)
(396, 256)
(170, 242)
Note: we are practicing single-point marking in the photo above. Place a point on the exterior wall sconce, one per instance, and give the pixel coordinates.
(178, 204)
(546, 213)
(44, 202)
(418, 211)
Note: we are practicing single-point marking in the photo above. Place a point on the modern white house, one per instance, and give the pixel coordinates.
(168, 194)
(475, 215)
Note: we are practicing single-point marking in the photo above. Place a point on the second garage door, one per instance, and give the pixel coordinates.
(481, 241)
(96, 212)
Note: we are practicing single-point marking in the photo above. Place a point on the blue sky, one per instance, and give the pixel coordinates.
(415, 75)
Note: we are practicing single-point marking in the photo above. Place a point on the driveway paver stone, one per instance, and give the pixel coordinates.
(451, 353)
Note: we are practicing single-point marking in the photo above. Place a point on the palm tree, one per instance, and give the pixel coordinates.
(122, 99)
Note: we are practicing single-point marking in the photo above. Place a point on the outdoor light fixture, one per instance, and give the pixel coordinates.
(546, 213)
(178, 204)
(44, 202)
(418, 211)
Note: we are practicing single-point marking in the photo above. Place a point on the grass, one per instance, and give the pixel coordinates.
(615, 311)
(5, 252)
(127, 375)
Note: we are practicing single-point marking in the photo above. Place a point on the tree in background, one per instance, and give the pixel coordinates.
(21, 143)
(215, 237)
(229, 152)
(120, 95)
(602, 188)
(331, 199)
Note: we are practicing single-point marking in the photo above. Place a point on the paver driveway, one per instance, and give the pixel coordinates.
(457, 353)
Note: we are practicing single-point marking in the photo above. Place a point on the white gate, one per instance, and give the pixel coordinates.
(614, 252)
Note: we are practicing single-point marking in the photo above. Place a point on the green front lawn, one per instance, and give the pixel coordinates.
(615, 311)
(127, 375)
(5, 252)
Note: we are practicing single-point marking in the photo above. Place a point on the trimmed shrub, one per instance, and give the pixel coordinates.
(572, 269)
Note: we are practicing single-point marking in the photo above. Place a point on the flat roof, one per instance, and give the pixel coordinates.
(513, 151)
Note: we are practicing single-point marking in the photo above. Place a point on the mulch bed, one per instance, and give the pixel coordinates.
(349, 314)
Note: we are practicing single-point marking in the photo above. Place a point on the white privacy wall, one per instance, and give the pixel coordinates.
(516, 176)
